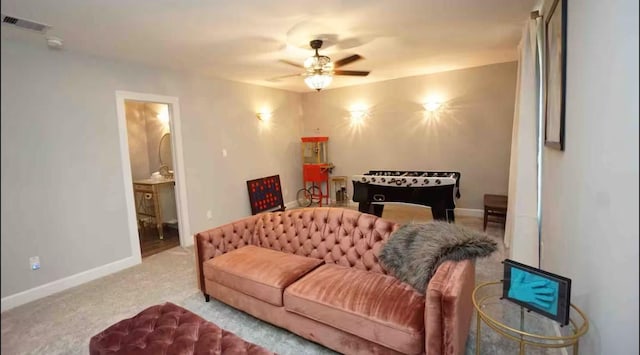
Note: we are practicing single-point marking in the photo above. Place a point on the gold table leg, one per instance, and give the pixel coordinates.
(477, 333)
(521, 328)
(160, 231)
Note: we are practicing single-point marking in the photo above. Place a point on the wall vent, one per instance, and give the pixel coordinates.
(26, 24)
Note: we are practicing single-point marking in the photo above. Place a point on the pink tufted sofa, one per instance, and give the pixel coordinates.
(315, 272)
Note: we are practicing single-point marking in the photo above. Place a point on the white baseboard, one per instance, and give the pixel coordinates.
(469, 212)
(20, 298)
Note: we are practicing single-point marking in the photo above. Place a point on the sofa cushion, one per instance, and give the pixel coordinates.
(258, 272)
(370, 305)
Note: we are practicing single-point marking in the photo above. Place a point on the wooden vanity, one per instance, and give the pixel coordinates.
(148, 203)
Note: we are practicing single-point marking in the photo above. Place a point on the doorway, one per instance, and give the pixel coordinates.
(153, 170)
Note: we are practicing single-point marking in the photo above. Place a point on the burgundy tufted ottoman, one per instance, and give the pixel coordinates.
(169, 329)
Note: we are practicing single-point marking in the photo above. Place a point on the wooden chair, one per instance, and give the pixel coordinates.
(495, 206)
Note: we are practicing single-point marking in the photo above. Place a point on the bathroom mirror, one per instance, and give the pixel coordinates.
(164, 151)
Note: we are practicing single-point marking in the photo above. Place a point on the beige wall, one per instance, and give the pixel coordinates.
(155, 130)
(590, 191)
(144, 131)
(137, 138)
(63, 193)
(471, 133)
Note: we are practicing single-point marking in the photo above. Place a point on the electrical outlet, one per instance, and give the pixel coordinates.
(34, 261)
(209, 214)
(224, 153)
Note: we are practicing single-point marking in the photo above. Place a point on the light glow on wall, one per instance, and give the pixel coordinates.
(264, 116)
(163, 115)
(358, 113)
(432, 103)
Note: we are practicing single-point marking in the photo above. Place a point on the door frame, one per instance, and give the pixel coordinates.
(178, 165)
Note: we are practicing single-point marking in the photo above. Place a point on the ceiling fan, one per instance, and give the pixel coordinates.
(319, 69)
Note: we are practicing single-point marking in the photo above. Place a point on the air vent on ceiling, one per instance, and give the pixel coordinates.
(26, 24)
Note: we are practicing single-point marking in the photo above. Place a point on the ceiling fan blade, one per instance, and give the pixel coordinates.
(347, 60)
(351, 72)
(278, 78)
(291, 63)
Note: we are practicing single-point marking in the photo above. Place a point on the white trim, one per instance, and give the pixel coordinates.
(469, 212)
(127, 179)
(178, 158)
(56, 286)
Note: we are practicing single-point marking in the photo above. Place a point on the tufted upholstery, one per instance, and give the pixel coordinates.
(437, 324)
(335, 235)
(169, 329)
(220, 240)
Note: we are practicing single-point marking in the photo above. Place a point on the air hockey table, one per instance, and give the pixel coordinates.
(436, 189)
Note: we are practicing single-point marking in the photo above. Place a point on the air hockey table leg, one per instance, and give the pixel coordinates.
(443, 214)
(451, 217)
(371, 208)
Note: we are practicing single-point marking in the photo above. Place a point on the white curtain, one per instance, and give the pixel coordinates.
(521, 230)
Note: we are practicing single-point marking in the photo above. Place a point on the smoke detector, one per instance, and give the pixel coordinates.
(54, 42)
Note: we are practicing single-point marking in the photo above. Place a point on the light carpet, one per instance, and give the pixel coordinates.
(63, 323)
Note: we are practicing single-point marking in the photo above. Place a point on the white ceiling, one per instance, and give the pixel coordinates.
(243, 40)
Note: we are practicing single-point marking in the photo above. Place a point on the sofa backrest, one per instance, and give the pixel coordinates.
(336, 235)
(226, 238)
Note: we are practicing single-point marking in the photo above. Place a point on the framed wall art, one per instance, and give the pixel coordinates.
(265, 194)
(537, 290)
(555, 75)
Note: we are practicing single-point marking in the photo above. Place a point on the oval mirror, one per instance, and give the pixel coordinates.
(164, 151)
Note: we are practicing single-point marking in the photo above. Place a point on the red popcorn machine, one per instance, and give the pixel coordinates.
(315, 172)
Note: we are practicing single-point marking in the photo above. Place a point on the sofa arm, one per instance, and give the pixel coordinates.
(448, 308)
(219, 240)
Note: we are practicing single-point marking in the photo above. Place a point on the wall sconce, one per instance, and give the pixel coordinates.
(431, 105)
(264, 116)
(358, 113)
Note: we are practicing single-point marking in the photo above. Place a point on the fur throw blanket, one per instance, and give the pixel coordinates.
(414, 252)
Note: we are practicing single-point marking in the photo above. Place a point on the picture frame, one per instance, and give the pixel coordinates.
(265, 194)
(537, 290)
(555, 75)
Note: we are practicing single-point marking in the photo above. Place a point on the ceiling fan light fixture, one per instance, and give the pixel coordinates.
(319, 69)
(318, 81)
(318, 62)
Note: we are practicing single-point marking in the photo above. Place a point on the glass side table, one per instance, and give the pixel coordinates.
(526, 328)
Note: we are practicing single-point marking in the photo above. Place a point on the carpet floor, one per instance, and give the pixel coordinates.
(63, 323)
